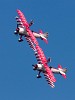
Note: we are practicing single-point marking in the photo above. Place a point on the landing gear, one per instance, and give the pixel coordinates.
(20, 40)
(15, 32)
(35, 67)
(39, 76)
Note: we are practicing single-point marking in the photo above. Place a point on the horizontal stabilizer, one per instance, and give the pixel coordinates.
(44, 36)
(62, 71)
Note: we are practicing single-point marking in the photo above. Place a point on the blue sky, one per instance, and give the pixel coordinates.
(17, 79)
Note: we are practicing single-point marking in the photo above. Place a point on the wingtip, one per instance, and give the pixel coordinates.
(45, 40)
(64, 76)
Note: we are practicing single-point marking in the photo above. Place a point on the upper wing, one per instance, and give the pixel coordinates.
(51, 83)
(42, 59)
(23, 19)
(30, 42)
(26, 25)
(41, 55)
(49, 76)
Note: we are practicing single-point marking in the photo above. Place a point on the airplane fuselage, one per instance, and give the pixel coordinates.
(40, 67)
(22, 31)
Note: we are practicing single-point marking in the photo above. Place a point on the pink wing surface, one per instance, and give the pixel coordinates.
(42, 59)
(30, 43)
(51, 83)
(25, 23)
(49, 74)
(23, 19)
(32, 37)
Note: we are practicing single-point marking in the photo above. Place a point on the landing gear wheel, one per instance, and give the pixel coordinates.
(20, 40)
(38, 76)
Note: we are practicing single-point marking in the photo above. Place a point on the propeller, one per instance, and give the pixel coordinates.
(17, 30)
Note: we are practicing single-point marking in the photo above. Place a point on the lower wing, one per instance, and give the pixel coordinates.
(51, 83)
(49, 76)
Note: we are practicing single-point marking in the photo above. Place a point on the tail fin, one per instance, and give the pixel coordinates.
(44, 36)
(59, 66)
(62, 71)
